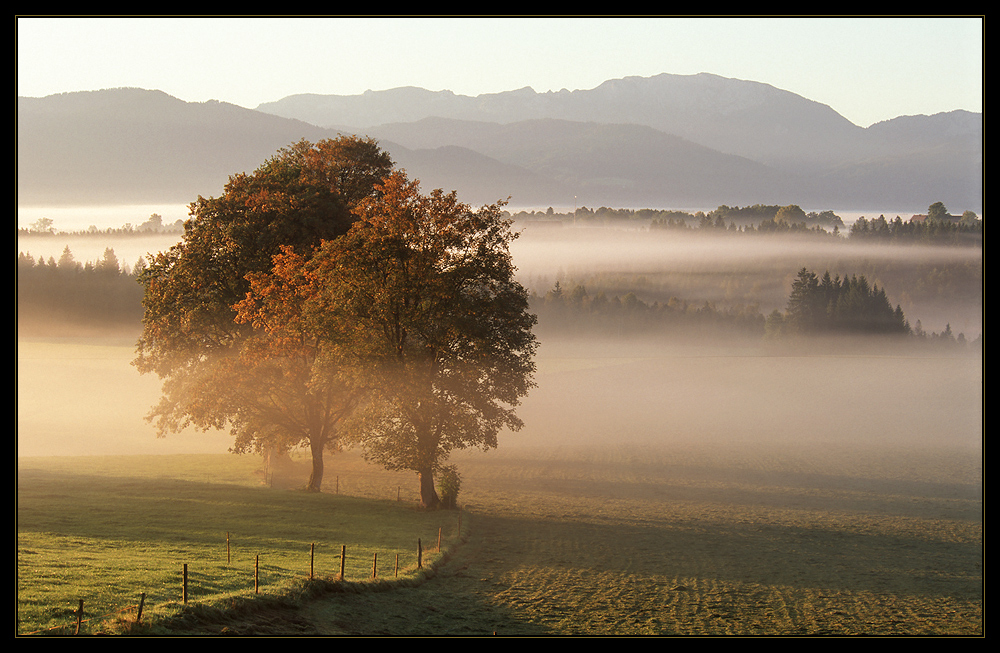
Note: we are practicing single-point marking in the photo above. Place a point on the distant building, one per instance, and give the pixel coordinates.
(923, 218)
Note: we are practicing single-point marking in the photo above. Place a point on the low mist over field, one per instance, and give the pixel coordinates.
(81, 396)
(84, 398)
(665, 393)
(78, 397)
(737, 268)
(657, 265)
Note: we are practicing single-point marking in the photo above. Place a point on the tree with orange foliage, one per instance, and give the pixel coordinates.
(252, 368)
(293, 389)
(421, 302)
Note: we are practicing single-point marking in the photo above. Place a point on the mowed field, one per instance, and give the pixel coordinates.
(655, 490)
(619, 542)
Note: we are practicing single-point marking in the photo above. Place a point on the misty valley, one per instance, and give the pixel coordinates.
(710, 448)
(581, 267)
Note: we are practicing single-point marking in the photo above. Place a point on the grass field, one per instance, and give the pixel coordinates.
(561, 541)
(684, 491)
(619, 541)
(110, 529)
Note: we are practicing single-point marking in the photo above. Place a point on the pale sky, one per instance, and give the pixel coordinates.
(866, 69)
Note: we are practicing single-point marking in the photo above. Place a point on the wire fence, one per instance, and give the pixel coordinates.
(356, 567)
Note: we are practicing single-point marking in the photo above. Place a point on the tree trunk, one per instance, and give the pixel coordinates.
(428, 495)
(316, 476)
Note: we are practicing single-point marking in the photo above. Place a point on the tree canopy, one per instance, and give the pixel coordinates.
(420, 299)
(937, 211)
(791, 213)
(212, 360)
(831, 304)
(323, 299)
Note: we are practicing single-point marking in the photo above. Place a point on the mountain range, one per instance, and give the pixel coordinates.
(668, 141)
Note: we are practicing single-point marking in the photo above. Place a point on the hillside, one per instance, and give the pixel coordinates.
(667, 141)
(134, 145)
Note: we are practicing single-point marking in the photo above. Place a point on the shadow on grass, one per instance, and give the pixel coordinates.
(800, 531)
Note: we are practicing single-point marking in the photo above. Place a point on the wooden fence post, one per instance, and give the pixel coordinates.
(439, 539)
(420, 555)
(256, 575)
(184, 585)
(375, 565)
(229, 556)
(343, 555)
(142, 601)
(79, 617)
(397, 565)
(312, 559)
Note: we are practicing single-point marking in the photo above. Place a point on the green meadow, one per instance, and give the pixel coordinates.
(557, 540)
(108, 530)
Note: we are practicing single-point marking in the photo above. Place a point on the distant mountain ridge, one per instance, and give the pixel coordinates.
(666, 141)
(733, 116)
(132, 145)
(614, 162)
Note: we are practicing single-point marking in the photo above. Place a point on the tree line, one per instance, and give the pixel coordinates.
(153, 225)
(724, 217)
(97, 294)
(816, 306)
(967, 231)
(105, 293)
(938, 228)
(578, 311)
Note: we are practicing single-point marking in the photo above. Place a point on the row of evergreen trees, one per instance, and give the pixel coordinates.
(579, 311)
(51, 293)
(816, 306)
(106, 293)
(832, 304)
(968, 231)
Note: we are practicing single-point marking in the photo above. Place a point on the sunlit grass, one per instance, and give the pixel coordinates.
(558, 541)
(108, 530)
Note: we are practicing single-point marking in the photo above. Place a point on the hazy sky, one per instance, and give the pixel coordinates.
(867, 69)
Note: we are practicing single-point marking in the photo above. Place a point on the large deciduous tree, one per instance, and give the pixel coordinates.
(242, 367)
(937, 211)
(421, 301)
(296, 390)
(790, 214)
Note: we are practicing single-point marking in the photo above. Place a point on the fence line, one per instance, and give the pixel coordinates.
(78, 614)
(79, 620)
